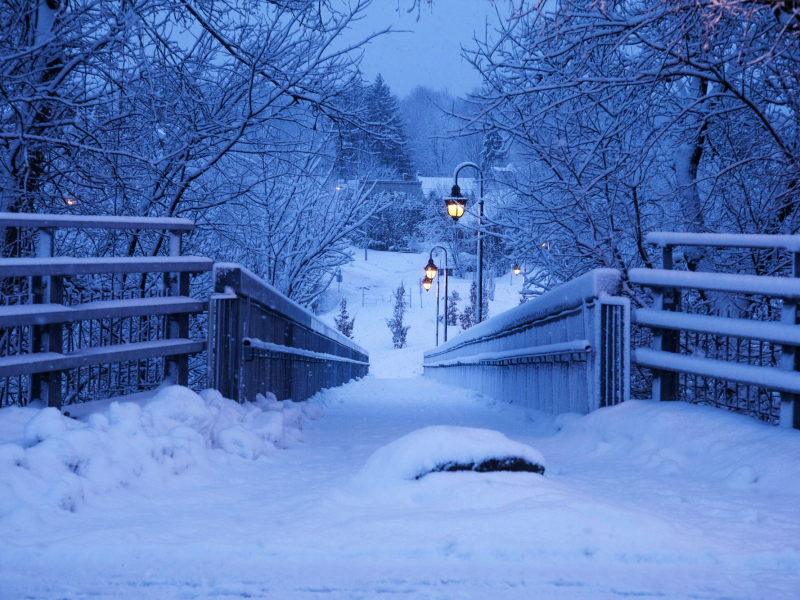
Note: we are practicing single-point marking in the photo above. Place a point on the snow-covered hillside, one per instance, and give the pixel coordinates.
(381, 274)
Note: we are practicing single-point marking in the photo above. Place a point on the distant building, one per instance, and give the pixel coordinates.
(441, 186)
(409, 187)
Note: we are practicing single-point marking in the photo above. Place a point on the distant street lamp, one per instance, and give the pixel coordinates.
(431, 270)
(455, 208)
(516, 269)
(426, 283)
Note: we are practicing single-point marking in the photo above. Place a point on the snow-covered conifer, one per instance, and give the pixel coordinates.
(344, 323)
(395, 324)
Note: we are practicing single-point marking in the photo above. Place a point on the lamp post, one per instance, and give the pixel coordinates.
(455, 204)
(431, 270)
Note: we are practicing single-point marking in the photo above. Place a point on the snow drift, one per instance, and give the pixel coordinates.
(53, 460)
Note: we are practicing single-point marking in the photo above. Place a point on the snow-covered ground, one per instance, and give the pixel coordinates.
(181, 496)
(381, 274)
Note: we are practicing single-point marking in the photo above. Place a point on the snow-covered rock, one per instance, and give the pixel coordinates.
(435, 449)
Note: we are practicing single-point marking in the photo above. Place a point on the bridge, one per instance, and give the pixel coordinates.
(639, 498)
(82, 327)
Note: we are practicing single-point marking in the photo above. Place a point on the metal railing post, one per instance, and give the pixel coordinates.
(790, 358)
(46, 387)
(177, 367)
(437, 311)
(665, 383)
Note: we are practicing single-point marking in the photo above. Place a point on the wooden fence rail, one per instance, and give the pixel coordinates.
(43, 339)
(739, 364)
(260, 341)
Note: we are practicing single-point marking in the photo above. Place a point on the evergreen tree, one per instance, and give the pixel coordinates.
(469, 317)
(452, 308)
(389, 141)
(373, 140)
(344, 324)
(353, 153)
(493, 151)
(395, 324)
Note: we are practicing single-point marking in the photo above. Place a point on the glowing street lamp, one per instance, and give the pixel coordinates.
(455, 208)
(516, 270)
(431, 270)
(455, 203)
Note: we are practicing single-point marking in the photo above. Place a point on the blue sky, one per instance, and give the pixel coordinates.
(429, 52)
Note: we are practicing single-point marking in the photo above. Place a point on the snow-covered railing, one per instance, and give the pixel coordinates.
(260, 341)
(564, 351)
(54, 345)
(681, 341)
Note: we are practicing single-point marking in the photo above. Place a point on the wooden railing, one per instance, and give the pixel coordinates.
(261, 341)
(52, 345)
(748, 366)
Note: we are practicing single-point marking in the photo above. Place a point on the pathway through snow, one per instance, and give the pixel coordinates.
(641, 499)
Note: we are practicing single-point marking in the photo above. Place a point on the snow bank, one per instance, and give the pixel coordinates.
(48, 459)
(677, 439)
(428, 449)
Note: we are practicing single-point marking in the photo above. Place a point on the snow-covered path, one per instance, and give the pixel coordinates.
(643, 499)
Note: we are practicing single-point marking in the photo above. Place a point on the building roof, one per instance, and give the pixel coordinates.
(443, 185)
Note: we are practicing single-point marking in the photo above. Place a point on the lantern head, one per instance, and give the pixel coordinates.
(426, 283)
(455, 203)
(516, 269)
(430, 270)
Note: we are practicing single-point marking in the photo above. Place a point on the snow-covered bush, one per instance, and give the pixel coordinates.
(469, 317)
(395, 324)
(344, 323)
(452, 308)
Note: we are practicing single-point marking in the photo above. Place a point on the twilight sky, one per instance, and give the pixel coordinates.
(430, 53)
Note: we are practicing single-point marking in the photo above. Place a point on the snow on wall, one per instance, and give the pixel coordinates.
(256, 343)
(724, 240)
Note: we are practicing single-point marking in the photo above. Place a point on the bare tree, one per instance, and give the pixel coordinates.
(640, 116)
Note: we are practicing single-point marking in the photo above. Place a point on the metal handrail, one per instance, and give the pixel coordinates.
(664, 239)
(45, 221)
